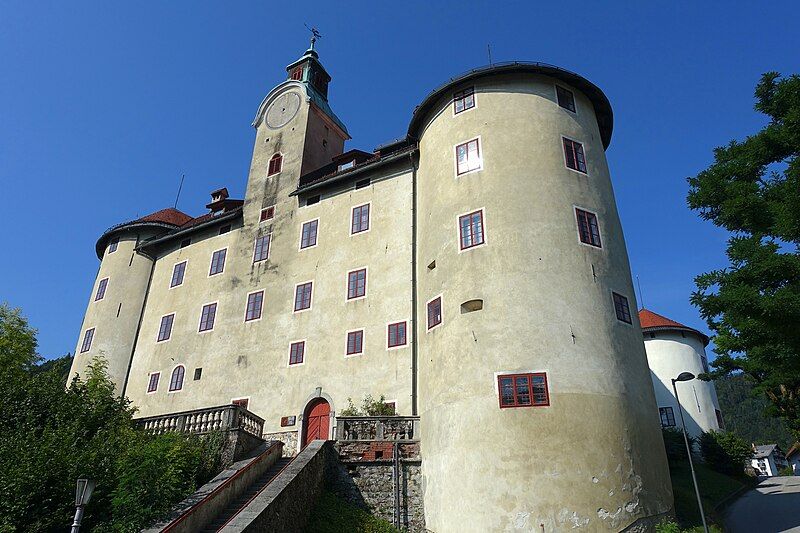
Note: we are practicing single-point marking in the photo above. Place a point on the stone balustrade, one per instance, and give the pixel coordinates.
(389, 428)
(222, 418)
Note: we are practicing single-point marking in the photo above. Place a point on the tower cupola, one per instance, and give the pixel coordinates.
(308, 69)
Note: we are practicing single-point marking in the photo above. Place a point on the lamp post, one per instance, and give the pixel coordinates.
(688, 376)
(83, 492)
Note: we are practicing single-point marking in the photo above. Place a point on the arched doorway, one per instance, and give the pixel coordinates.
(316, 423)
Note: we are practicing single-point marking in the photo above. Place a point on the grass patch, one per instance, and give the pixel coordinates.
(334, 515)
(714, 488)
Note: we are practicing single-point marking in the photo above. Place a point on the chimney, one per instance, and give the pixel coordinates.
(218, 198)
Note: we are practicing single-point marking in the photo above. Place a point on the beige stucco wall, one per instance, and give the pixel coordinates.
(594, 458)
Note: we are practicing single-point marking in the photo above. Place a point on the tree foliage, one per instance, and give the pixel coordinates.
(53, 434)
(725, 452)
(753, 306)
(369, 407)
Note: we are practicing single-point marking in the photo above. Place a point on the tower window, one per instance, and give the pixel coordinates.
(667, 417)
(360, 219)
(178, 271)
(87, 340)
(267, 213)
(302, 296)
(165, 329)
(470, 229)
(261, 250)
(308, 235)
(255, 301)
(621, 308)
(152, 384)
(573, 154)
(355, 342)
(218, 262)
(720, 421)
(523, 390)
(463, 100)
(435, 312)
(565, 98)
(176, 381)
(297, 352)
(207, 317)
(588, 229)
(357, 284)
(396, 335)
(112, 246)
(297, 74)
(468, 157)
(275, 164)
(101, 289)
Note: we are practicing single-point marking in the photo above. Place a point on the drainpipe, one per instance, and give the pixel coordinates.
(414, 350)
(141, 317)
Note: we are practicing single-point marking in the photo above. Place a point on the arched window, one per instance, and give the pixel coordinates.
(176, 382)
(275, 164)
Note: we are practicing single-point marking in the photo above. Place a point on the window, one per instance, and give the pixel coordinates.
(468, 157)
(176, 381)
(224, 229)
(588, 229)
(275, 164)
(241, 402)
(218, 262)
(101, 289)
(667, 417)
(565, 98)
(112, 246)
(363, 183)
(463, 100)
(254, 304)
(178, 272)
(349, 164)
(296, 352)
(435, 312)
(720, 421)
(573, 152)
(470, 229)
(87, 340)
(207, 317)
(261, 251)
(621, 308)
(311, 200)
(185, 243)
(267, 213)
(302, 296)
(152, 385)
(165, 329)
(357, 284)
(308, 236)
(355, 342)
(523, 390)
(198, 373)
(396, 334)
(360, 221)
(297, 74)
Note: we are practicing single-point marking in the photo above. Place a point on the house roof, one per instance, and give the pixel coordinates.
(652, 322)
(764, 450)
(168, 218)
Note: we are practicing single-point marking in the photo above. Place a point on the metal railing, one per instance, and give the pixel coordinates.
(391, 428)
(222, 418)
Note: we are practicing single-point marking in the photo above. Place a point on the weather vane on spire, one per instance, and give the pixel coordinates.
(315, 34)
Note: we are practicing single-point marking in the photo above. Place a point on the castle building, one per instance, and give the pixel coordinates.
(673, 348)
(473, 273)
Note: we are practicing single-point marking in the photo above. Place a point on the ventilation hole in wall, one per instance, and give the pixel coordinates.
(119, 309)
(471, 305)
(185, 243)
(224, 229)
(379, 454)
(311, 200)
(324, 143)
(432, 265)
(198, 373)
(363, 183)
(266, 140)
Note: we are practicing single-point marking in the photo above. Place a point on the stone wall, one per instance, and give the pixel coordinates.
(364, 476)
(288, 438)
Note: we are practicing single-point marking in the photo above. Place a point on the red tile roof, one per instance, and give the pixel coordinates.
(167, 216)
(653, 321)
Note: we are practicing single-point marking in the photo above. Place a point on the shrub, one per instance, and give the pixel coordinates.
(675, 445)
(725, 452)
(786, 471)
(369, 407)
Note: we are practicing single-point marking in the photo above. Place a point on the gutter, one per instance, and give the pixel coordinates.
(414, 348)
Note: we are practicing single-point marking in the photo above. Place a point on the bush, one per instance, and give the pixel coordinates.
(786, 471)
(672, 527)
(369, 407)
(725, 452)
(675, 445)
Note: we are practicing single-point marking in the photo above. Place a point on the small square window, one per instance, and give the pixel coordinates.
(255, 302)
(87, 340)
(588, 228)
(207, 317)
(468, 157)
(267, 213)
(302, 296)
(165, 329)
(565, 98)
(185, 243)
(396, 334)
(311, 200)
(152, 384)
(218, 262)
(434, 312)
(470, 229)
(349, 164)
(355, 342)
(101, 289)
(178, 272)
(308, 235)
(667, 417)
(112, 246)
(463, 100)
(363, 183)
(357, 284)
(621, 308)
(297, 352)
(198, 373)
(523, 390)
(573, 153)
(261, 248)
(275, 164)
(224, 229)
(360, 219)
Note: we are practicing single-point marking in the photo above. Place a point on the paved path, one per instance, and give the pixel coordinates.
(772, 506)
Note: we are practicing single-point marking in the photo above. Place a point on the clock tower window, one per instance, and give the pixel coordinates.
(297, 74)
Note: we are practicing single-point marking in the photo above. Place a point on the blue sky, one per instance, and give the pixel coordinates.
(104, 105)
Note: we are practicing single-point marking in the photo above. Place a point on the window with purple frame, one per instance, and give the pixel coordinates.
(296, 352)
(165, 329)
(218, 262)
(87, 340)
(178, 271)
(470, 229)
(355, 342)
(302, 296)
(397, 334)
(308, 235)
(101, 289)
(207, 317)
(468, 157)
(573, 153)
(261, 251)
(357, 283)
(360, 220)
(254, 304)
(588, 228)
(152, 384)
(434, 312)
(176, 381)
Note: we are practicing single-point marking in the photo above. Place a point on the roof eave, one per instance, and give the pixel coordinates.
(653, 329)
(182, 232)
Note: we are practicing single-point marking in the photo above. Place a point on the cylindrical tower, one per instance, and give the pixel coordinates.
(535, 398)
(111, 322)
(673, 348)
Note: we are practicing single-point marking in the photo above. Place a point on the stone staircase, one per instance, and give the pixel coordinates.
(247, 496)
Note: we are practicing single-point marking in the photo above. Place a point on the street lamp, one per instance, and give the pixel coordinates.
(688, 376)
(83, 492)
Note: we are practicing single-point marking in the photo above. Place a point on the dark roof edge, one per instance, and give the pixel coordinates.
(186, 231)
(100, 245)
(685, 329)
(602, 107)
(350, 173)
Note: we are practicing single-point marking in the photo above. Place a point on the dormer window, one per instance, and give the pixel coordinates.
(297, 74)
(349, 164)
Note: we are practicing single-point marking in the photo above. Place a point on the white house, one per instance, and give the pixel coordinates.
(793, 458)
(768, 459)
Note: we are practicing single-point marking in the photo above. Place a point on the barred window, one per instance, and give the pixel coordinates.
(470, 229)
(218, 262)
(573, 152)
(255, 302)
(435, 312)
(296, 352)
(588, 228)
(355, 342)
(178, 271)
(101, 289)
(207, 317)
(667, 417)
(396, 334)
(261, 249)
(308, 236)
(302, 296)
(523, 390)
(360, 220)
(621, 308)
(87, 340)
(357, 284)
(165, 329)
(463, 100)
(468, 157)
(176, 381)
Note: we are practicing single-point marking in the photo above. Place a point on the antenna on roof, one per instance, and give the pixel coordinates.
(641, 296)
(315, 34)
(489, 49)
(179, 191)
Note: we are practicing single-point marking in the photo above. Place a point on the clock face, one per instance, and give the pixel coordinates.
(283, 109)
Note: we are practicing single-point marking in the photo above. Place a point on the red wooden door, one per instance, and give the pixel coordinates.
(317, 421)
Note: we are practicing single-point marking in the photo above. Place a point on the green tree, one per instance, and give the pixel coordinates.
(753, 306)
